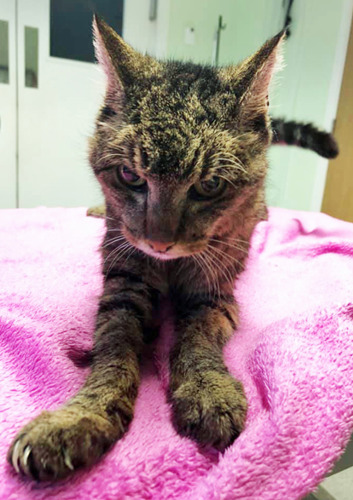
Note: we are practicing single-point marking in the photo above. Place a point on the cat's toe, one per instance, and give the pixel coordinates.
(212, 411)
(55, 444)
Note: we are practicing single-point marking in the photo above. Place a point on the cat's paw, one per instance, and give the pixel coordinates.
(56, 443)
(210, 408)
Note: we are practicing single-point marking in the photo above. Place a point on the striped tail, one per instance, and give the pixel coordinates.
(304, 135)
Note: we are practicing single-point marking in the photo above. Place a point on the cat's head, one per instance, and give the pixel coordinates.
(179, 148)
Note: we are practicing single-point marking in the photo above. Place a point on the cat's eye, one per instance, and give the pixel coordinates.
(130, 178)
(210, 188)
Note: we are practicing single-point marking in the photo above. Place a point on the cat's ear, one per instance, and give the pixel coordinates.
(121, 63)
(251, 80)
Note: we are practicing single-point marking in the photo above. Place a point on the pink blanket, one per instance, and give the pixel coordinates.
(293, 351)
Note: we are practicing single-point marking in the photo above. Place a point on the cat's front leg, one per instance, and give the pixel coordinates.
(56, 443)
(208, 404)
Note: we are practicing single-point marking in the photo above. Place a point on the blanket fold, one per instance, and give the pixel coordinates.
(293, 352)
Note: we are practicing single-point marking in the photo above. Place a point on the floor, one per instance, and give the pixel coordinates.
(339, 486)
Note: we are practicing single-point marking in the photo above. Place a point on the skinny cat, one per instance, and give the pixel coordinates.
(180, 152)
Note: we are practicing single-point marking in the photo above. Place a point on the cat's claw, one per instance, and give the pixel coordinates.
(15, 457)
(55, 444)
(67, 460)
(26, 453)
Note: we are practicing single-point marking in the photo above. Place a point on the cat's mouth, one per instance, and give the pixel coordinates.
(173, 253)
(162, 252)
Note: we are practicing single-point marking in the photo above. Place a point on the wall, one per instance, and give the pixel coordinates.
(137, 28)
(308, 87)
(246, 28)
(308, 90)
(146, 35)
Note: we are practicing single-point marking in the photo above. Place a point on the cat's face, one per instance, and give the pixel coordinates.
(179, 148)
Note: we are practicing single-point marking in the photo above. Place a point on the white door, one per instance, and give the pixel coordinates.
(8, 108)
(58, 100)
(50, 94)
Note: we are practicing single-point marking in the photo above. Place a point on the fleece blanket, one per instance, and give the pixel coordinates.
(293, 352)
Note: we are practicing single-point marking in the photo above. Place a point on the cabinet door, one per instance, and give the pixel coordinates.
(58, 101)
(8, 108)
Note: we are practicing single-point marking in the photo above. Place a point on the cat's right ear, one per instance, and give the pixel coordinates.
(121, 63)
(114, 85)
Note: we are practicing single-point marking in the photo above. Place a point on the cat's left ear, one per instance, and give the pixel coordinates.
(251, 80)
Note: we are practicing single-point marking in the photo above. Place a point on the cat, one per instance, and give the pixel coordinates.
(180, 152)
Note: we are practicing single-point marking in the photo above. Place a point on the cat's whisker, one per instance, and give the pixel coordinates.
(207, 271)
(213, 272)
(111, 257)
(225, 271)
(227, 180)
(200, 263)
(230, 157)
(239, 249)
(133, 250)
(232, 172)
(236, 239)
(119, 256)
(107, 125)
(111, 218)
(230, 163)
(111, 155)
(222, 237)
(221, 153)
(113, 240)
(208, 268)
(235, 158)
(228, 277)
(116, 251)
(229, 238)
(230, 167)
(230, 258)
(221, 272)
(232, 245)
(113, 229)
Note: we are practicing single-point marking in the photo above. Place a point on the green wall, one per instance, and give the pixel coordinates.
(302, 88)
(244, 32)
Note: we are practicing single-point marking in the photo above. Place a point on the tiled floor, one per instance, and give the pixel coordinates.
(336, 487)
(340, 485)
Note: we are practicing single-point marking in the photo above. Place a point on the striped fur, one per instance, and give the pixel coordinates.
(183, 130)
(304, 135)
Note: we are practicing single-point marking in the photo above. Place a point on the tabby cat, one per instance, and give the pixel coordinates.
(180, 152)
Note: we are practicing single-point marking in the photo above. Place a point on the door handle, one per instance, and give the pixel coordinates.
(4, 52)
(31, 56)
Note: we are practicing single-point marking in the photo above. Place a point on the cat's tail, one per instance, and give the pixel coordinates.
(304, 135)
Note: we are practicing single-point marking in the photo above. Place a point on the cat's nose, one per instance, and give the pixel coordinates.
(160, 246)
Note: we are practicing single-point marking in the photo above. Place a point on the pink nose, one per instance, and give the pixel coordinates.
(160, 246)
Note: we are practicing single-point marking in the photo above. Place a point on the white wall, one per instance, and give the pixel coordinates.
(142, 33)
(308, 90)
(308, 87)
